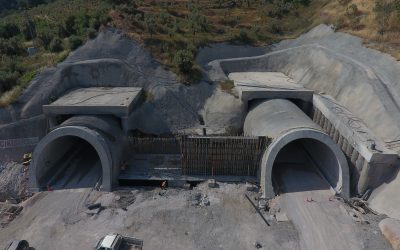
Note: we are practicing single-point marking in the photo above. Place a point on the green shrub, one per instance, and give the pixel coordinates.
(61, 31)
(70, 26)
(242, 37)
(45, 37)
(280, 8)
(352, 10)
(7, 80)
(91, 33)
(227, 85)
(95, 23)
(63, 55)
(75, 42)
(9, 30)
(104, 19)
(29, 30)
(56, 45)
(26, 78)
(81, 23)
(184, 60)
(11, 47)
(344, 2)
(383, 10)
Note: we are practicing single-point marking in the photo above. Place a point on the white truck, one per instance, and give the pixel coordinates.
(118, 242)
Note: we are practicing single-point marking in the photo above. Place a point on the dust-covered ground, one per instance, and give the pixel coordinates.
(202, 218)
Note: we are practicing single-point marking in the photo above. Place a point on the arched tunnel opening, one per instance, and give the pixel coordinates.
(69, 162)
(299, 146)
(305, 165)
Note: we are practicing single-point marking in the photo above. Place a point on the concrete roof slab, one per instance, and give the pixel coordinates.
(268, 85)
(117, 101)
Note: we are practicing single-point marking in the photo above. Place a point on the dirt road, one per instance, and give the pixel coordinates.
(322, 221)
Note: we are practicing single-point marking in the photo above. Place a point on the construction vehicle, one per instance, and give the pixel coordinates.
(18, 245)
(118, 242)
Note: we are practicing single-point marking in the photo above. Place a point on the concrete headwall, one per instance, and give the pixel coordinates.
(51, 156)
(285, 123)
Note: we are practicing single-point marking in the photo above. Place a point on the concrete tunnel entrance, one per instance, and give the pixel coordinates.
(73, 157)
(305, 158)
(297, 143)
(71, 162)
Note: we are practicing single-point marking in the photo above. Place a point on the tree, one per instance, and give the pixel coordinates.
(75, 42)
(29, 30)
(150, 24)
(45, 37)
(91, 33)
(197, 22)
(184, 60)
(11, 47)
(9, 30)
(70, 25)
(56, 45)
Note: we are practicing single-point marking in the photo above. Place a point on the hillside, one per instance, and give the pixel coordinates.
(174, 30)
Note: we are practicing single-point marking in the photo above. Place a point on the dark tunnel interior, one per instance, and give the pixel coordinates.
(69, 162)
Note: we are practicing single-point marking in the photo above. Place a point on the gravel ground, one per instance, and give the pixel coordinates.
(201, 218)
(13, 181)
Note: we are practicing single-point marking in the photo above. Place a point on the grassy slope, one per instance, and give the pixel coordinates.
(364, 24)
(224, 24)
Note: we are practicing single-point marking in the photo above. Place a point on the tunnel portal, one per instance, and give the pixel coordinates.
(297, 142)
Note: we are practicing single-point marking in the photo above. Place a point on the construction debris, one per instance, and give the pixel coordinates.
(94, 211)
(94, 206)
(358, 204)
(212, 183)
(199, 200)
(257, 210)
(8, 212)
(251, 187)
(27, 159)
(257, 245)
(281, 217)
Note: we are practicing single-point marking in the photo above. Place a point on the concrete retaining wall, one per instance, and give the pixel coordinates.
(369, 158)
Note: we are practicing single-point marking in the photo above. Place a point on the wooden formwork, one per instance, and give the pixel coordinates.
(207, 155)
(155, 145)
(230, 156)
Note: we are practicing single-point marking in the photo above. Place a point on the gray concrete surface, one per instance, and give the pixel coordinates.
(268, 85)
(118, 101)
(285, 123)
(386, 198)
(163, 219)
(391, 230)
(370, 158)
(323, 223)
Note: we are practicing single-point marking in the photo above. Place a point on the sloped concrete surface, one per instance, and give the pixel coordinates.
(391, 230)
(336, 64)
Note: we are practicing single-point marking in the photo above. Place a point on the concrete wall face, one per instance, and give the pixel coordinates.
(368, 158)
